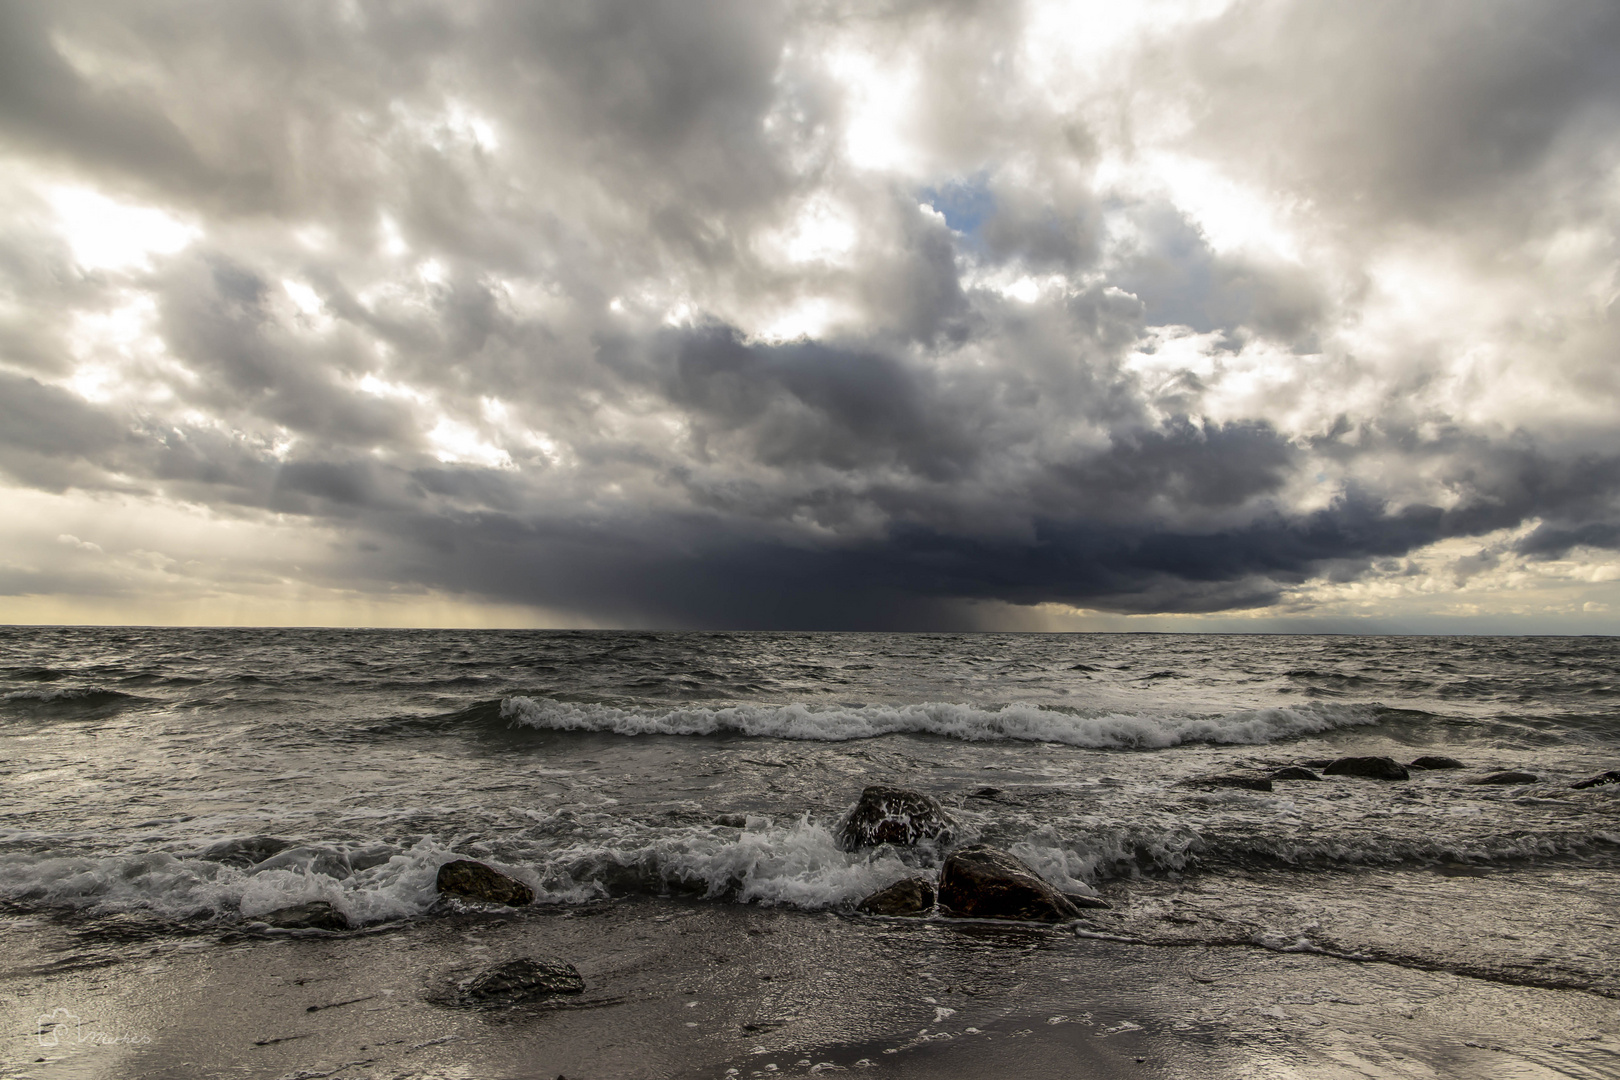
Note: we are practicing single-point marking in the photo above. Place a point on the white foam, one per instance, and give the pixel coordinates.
(1021, 722)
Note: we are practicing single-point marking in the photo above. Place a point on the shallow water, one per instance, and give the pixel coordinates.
(146, 767)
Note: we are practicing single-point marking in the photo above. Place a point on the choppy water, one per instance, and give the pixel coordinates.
(143, 768)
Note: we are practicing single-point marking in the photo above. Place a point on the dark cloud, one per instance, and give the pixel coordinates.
(639, 311)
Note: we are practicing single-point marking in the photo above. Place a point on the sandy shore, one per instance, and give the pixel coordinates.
(689, 989)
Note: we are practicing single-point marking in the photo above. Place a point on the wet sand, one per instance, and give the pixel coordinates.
(693, 989)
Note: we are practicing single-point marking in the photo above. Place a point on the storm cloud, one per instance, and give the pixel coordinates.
(908, 315)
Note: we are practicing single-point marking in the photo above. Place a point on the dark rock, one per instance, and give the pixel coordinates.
(913, 896)
(315, 915)
(1082, 900)
(1510, 776)
(1251, 783)
(1294, 772)
(982, 882)
(476, 881)
(732, 821)
(520, 980)
(245, 851)
(1435, 761)
(1376, 768)
(887, 815)
(1610, 777)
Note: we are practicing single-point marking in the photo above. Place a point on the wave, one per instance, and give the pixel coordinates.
(1018, 722)
(576, 859)
(53, 699)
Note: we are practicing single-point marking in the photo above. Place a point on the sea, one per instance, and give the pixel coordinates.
(202, 778)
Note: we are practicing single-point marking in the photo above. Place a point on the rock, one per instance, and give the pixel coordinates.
(888, 815)
(1294, 772)
(732, 821)
(307, 860)
(1377, 768)
(1251, 783)
(1083, 900)
(1610, 777)
(1510, 776)
(245, 851)
(520, 980)
(982, 882)
(476, 881)
(1435, 761)
(913, 896)
(315, 915)
(1317, 763)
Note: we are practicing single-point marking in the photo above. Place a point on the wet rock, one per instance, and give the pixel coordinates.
(517, 981)
(1376, 768)
(732, 821)
(1085, 900)
(1250, 783)
(1294, 772)
(245, 851)
(889, 815)
(310, 860)
(315, 915)
(476, 881)
(981, 882)
(1436, 761)
(1610, 777)
(1510, 776)
(913, 896)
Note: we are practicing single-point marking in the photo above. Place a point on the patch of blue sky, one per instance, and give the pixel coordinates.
(966, 204)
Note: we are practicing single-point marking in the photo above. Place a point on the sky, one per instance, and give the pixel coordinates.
(1019, 315)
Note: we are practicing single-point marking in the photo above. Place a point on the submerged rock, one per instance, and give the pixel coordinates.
(1250, 783)
(1084, 900)
(1510, 776)
(1610, 777)
(981, 882)
(245, 851)
(1376, 768)
(1436, 761)
(913, 896)
(474, 880)
(890, 815)
(1294, 772)
(315, 915)
(520, 980)
(310, 860)
(732, 821)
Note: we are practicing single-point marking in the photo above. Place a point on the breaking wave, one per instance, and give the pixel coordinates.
(1019, 722)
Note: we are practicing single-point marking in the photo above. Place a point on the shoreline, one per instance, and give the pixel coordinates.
(681, 988)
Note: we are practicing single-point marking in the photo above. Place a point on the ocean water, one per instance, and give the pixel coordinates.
(200, 778)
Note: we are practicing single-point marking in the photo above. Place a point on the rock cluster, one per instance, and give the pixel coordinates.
(474, 880)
